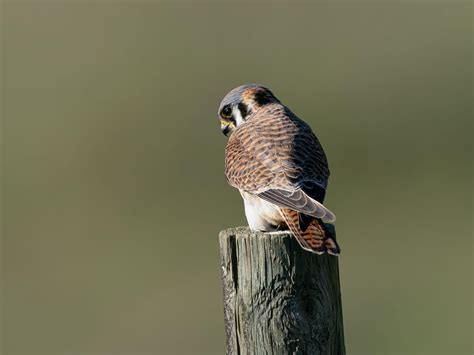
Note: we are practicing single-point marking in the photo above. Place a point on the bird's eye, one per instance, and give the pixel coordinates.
(226, 112)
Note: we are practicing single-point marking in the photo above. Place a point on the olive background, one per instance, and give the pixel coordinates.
(113, 191)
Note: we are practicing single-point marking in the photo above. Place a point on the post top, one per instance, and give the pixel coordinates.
(245, 231)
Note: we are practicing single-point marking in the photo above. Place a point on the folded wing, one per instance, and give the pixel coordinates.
(298, 201)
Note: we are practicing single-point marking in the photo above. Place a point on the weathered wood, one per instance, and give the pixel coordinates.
(278, 298)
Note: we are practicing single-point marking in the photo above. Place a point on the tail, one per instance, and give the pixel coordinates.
(311, 235)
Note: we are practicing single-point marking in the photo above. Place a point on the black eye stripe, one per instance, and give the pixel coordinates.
(244, 110)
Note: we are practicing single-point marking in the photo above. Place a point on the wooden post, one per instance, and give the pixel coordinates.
(279, 298)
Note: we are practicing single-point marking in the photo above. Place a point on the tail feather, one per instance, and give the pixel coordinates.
(311, 236)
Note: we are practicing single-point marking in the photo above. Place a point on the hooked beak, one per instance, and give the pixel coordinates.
(226, 127)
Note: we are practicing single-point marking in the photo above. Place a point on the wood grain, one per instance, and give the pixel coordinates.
(279, 298)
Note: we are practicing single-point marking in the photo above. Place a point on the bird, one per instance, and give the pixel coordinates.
(279, 167)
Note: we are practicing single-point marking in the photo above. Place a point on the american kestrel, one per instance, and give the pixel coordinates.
(276, 162)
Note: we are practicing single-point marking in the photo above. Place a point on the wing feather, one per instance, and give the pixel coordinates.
(297, 200)
(278, 158)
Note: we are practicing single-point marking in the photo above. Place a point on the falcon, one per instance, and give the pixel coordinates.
(279, 166)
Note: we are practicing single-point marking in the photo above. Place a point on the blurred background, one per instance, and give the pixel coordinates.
(113, 185)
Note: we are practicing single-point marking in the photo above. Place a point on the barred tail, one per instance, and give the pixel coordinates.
(311, 235)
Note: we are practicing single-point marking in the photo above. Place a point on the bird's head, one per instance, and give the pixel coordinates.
(239, 103)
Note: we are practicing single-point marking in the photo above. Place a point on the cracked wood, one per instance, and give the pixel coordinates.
(278, 298)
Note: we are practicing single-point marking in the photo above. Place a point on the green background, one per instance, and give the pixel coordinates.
(113, 186)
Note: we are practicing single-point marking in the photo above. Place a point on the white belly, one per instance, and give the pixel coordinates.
(261, 215)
